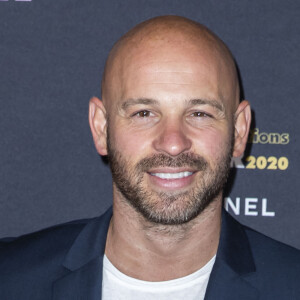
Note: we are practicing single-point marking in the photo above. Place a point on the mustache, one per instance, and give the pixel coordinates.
(191, 160)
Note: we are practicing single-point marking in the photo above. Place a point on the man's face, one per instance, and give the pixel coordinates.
(170, 133)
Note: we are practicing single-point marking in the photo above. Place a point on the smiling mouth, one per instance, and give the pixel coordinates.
(172, 175)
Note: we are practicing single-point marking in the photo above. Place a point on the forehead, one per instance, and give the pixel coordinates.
(171, 71)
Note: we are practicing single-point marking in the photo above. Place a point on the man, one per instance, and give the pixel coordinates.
(169, 121)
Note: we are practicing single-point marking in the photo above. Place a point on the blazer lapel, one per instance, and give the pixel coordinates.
(226, 284)
(234, 263)
(82, 284)
(84, 263)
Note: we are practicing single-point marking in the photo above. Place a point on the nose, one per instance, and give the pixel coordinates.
(172, 139)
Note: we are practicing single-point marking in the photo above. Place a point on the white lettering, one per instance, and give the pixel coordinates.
(250, 207)
(234, 206)
(264, 211)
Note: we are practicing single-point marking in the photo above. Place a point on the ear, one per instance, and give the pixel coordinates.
(98, 124)
(242, 126)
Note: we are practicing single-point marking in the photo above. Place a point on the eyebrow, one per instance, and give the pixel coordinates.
(214, 103)
(192, 102)
(131, 102)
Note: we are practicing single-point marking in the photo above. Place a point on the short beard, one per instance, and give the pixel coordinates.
(169, 208)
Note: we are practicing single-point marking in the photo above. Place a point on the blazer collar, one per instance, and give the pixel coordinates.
(234, 263)
(84, 263)
(234, 248)
(90, 243)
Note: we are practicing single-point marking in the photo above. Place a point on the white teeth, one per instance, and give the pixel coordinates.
(172, 175)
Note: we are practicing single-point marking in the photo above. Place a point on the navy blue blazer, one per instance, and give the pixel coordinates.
(65, 263)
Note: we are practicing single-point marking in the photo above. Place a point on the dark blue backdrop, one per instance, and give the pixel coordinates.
(52, 55)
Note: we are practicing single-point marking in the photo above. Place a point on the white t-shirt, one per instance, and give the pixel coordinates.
(118, 286)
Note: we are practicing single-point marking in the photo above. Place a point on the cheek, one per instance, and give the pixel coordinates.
(130, 143)
(212, 144)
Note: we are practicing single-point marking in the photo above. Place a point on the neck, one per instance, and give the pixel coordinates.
(173, 251)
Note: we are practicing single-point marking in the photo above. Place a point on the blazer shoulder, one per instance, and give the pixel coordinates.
(54, 240)
(57, 229)
(269, 266)
(264, 244)
(29, 263)
(270, 254)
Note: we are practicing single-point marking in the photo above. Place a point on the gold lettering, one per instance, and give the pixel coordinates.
(255, 137)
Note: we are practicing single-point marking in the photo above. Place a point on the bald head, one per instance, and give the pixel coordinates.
(167, 35)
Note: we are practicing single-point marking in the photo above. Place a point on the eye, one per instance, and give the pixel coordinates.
(143, 114)
(201, 114)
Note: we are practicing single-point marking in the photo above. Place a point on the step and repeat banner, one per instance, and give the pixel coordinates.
(52, 54)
